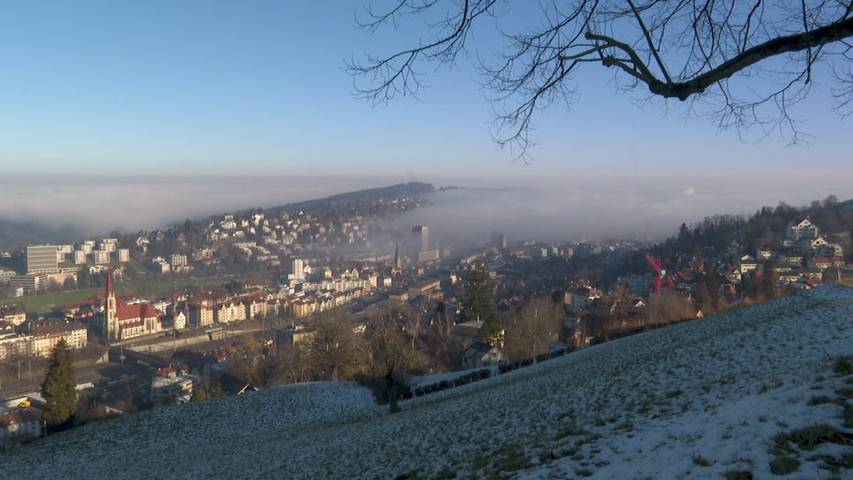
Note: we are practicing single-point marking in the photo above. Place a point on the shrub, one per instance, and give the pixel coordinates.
(511, 458)
(845, 392)
(701, 461)
(819, 399)
(807, 438)
(674, 393)
(379, 388)
(738, 475)
(784, 465)
(843, 366)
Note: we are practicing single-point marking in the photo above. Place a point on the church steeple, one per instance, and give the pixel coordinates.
(396, 255)
(110, 307)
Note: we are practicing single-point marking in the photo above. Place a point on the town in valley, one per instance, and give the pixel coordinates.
(235, 302)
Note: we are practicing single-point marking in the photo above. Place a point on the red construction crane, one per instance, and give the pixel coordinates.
(657, 265)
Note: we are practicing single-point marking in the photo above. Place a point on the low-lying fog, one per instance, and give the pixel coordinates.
(547, 209)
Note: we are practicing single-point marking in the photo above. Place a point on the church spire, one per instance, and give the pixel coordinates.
(110, 307)
(396, 255)
(110, 292)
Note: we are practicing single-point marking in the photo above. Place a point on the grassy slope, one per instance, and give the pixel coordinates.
(639, 407)
(46, 301)
(161, 285)
(151, 286)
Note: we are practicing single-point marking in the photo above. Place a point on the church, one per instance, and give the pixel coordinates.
(123, 321)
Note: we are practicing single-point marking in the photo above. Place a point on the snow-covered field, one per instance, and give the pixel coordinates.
(694, 400)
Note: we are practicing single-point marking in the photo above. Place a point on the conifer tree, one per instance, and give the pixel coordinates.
(58, 388)
(478, 304)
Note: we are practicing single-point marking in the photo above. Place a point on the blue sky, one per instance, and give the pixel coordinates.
(224, 88)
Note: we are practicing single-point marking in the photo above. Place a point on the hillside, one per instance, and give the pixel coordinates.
(766, 227)
(353, 199)
(693, 400)
(15, 234)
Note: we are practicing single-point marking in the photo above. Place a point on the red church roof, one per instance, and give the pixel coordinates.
(137, 311)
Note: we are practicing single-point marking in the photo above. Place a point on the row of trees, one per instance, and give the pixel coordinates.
(392, 345)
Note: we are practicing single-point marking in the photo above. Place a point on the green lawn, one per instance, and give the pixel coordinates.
(46, 301)
(151, 287)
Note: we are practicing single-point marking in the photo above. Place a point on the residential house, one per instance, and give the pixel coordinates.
(19, 425)
(764, 253)
(296, 335)
(823, 263)
(481, 354)
(14, 345)
(177, 320)
(201, 314)
(463, 335)
(47, 332)
(229, 312)
(13, 314)
(803, 229)
(747, 264)
(168, 387)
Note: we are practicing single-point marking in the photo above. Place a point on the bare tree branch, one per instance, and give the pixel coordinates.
(745, 63)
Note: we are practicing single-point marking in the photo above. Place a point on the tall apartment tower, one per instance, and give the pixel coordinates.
(421, 237)
(42, 259)
(79, 257)
(297, 269)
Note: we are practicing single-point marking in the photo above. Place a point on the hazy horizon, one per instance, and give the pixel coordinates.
(526, 207)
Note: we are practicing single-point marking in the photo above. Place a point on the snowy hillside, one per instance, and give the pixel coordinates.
(697, 400)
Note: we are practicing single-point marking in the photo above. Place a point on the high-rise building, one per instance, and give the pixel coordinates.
(29, 283)
(101, 257)
(88, 246)
(42, 259)
(108, 244)
(297, 269)
(123, 255)
(62, 251)
(79, 257)
(178, 260)
(421, 237)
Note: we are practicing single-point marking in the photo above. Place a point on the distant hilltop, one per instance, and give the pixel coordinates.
(370, 194)
(15, 234)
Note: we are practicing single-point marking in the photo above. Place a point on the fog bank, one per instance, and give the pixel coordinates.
(558, 208)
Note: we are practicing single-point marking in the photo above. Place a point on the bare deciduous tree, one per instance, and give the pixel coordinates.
(247, 362)
(293, 365)
(391, 356)
(667, 308)
(530, 330)
(437, 337)
(707, 52)
(336, 350)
